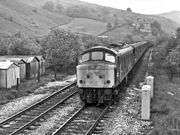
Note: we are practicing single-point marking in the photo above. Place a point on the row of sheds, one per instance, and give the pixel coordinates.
(14, 69)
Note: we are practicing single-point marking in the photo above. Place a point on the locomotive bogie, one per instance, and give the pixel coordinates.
(97, 96)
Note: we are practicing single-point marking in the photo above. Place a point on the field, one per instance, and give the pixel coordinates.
(85, 26)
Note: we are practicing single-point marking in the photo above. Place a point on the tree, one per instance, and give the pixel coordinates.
(61, 49)
(177, 41)
(49, 5)
(3, 47)
(59, 8)
(129, 9)
(156, 25)
(173, 63)
(178, 33)
(156, 28)
(109, 26)
(18, 46)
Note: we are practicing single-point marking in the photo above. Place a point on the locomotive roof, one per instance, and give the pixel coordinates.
(100, 48)
(116, 49)
(138, 43)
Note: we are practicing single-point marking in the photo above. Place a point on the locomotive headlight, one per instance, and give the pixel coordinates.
(81, 81)
(108, 81)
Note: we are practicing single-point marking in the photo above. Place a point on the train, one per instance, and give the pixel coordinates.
(101, 69)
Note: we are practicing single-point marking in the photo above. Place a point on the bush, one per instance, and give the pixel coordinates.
(14, 93)
(129, 10)
(10, 96)
(49, 5)
(34, 10)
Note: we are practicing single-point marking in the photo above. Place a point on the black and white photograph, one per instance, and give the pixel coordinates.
(89, 67)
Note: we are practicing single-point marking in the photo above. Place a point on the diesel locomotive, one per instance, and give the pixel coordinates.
(101, 69)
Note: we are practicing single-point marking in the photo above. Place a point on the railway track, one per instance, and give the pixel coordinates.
(82, 122)
(37, 112)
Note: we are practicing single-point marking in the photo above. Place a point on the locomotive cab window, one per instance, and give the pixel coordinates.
(109, 57)
(84, 57)
(97, 55)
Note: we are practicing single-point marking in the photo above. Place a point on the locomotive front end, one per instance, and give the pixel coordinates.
(96, 76)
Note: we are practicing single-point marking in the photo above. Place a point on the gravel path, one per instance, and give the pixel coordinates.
(125, 120)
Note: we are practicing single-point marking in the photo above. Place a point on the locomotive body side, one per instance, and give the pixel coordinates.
(125, 62)
(140, 48)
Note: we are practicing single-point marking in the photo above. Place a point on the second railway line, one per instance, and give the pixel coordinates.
(29, 116)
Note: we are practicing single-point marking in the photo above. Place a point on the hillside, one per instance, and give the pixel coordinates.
(174, 15)
(65, 3)
(31, 17)
(85, 26)
(16, 16)
(79, 9)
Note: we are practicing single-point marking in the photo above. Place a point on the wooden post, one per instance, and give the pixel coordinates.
(150, 81)
(39, 71)
(17, 85)
(145, 102)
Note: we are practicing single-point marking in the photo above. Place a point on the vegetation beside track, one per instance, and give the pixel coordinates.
(165, 106)
(28, 87)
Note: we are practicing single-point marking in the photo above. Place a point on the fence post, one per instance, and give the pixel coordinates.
(17, 85)
(145, 102)
(150, 81)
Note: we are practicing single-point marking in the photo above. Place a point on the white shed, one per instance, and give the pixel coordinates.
(9, 72)
(18, 61)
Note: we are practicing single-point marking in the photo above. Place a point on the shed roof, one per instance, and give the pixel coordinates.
(40, 57)
(26, 58)
(15, 60)
(5, 64)
(30, 59)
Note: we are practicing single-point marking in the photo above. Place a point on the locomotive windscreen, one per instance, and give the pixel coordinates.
(110, 58)
(96, 56)
(84, 57)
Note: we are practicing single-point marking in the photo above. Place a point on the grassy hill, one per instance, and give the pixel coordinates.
(85, 26)
(174, 15)
(16, 16)
(65, 3)
(31, 18)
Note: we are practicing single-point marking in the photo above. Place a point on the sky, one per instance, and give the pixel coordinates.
(141, 6)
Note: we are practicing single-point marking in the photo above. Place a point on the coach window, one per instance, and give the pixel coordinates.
(109, 57)
(97, 55)
(84, 57)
